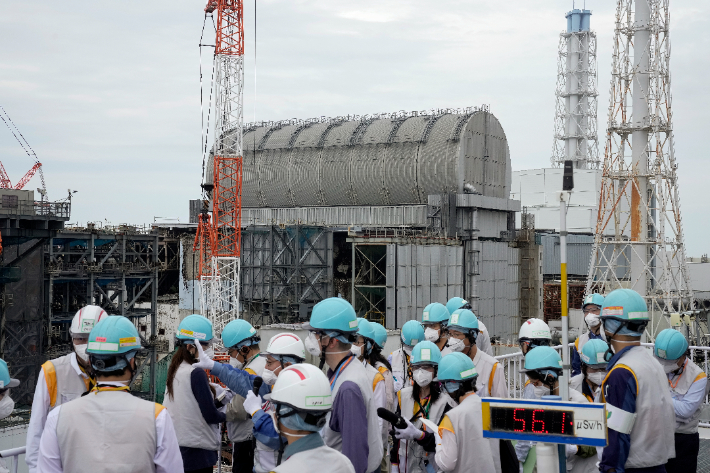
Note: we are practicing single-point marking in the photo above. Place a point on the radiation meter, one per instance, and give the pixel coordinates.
(545, 421)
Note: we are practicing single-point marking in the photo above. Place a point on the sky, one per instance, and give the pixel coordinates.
(109, 95)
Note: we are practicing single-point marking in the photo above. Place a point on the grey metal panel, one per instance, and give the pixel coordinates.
(579, 250)
(391, 321)
(439, 165)
(366, 167)
(391, 216)
(335, 166)
(405, 311)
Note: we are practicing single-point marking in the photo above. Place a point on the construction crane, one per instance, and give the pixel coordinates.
(5, 182)
(218, 238)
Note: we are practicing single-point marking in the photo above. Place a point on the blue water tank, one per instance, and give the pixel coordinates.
(578, 20)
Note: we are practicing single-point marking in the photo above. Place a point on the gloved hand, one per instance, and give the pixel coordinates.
(570, 450)
(219, 391)
(228, 395)
(203, 361)
(395, 468)
(586, 452)
(410, 433)
(252, 403)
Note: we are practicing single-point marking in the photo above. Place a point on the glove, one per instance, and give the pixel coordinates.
(203, 361)
(220, 392)
(395, 468)
(570, 450)
(410, 433)
(228, 395)
(252, 403)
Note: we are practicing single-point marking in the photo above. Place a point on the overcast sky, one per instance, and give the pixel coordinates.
(108, 93)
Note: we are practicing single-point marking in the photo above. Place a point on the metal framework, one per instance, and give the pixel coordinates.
(369, 281)
(575, 125)
(639, 235)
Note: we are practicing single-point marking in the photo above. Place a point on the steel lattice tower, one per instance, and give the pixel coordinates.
(576, 95)
(639, 235)
(219, 280)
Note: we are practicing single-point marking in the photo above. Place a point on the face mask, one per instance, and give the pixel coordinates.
(592, 320)
(541, 391)
(669, 366)
(235, 363)
(422, 377)
(313, 344)
(431, 334)
(596, 377)
(356, 350)
(210, 352)
(269, 377)
(407, 350)
(7, 405)
(456, 345)
(80, 351)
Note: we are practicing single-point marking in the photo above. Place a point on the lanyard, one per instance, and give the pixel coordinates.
(425, 407)
(340, 370)
(100, 387)
(679, 376)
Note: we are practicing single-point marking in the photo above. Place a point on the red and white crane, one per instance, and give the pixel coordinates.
(218, 238)
(5, 182)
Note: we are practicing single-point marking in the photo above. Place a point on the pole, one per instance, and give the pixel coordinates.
(564, 380)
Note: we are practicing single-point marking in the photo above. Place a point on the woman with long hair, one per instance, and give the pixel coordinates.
(190, 399)
(414, 449)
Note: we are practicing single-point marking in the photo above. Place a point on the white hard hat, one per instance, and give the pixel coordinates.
(286, 344)
(85, 319)
(303, 387)
(534, 329)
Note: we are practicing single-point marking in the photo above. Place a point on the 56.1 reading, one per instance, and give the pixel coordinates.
(536, 421)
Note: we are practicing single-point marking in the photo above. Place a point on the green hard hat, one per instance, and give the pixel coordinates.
(670, 344)
(113, 335)
(595, 352)
(456, 367)
(239, 333)
(194, 327)
(463, 320)
(333, 314)
(426, 352)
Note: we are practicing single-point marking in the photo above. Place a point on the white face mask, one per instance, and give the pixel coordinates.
(431, 334)
(592, 320)
(269, 377)
(422, 377)
(669, 366)
(356, 350)
(596, 377)
(456, 345)
(235, 363)
(541, 391)
(80, 351)
(407, 350)
(313, 344)
(210, 352)
(7, 405)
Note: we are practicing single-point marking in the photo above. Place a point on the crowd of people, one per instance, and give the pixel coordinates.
(285, 415)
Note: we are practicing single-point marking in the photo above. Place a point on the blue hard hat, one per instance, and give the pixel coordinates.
(426, 352)
(365, 329)
(239, 333)
(435, 313)
(412, 333)
(456, 303)
(113, 335)
(194, 327)
(624, 304)
(594, 299)
(456, 367)
(670, 344)
(334, 314)
(595, 352)
(541, 358)
(5, 380)
(463, 320)
(380, 334)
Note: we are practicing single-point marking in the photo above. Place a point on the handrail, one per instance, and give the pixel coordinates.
(13, 453)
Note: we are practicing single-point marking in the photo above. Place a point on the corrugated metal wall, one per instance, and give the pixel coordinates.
(412, 215)
(422, 274)
(579, 250)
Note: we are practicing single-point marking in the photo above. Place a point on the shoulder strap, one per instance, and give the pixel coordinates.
(378, 378)
(576, 344)
(446, 424)
(490, 379)
(250, 371)
(158, 409)
(50, 378)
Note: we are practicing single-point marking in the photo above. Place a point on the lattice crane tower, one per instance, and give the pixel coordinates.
(576, 95)
(638, 241)
(219, 236)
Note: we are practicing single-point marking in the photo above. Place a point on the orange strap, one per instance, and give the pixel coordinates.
(378, 378)
(445, 425)
(158, 409)
(490, 379)
(50, 378)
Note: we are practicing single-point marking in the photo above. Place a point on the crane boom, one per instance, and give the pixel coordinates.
(25, 179)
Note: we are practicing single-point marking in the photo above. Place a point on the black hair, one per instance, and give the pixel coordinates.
(433, 394)
(376, 355)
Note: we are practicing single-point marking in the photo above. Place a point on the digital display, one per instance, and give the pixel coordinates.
(535, 421)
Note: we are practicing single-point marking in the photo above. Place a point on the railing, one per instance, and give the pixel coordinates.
(13, 453)
(514, 362)
(44, 209)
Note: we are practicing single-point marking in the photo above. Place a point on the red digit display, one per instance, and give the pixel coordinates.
(535, 421)
(515, 417)
(538, 421)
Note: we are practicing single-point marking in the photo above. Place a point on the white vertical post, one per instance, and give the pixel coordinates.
(564, 380)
